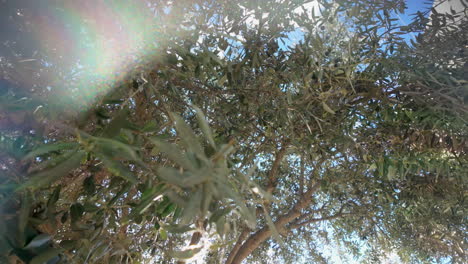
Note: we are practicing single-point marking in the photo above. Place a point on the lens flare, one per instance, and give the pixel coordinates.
(92, 45)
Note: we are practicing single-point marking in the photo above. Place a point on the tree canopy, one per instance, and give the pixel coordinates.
(257, 131)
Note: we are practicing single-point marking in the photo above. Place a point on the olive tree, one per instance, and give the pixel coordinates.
(262, 132)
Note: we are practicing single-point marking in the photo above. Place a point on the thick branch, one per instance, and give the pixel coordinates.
(238, 244)
(256, 239)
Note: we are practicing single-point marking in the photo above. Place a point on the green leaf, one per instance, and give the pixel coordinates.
(48, 176)
(148, 199)
(177, 213)
(44, 149)
(171, 176)
(215, 58)
(205, 127)
(38, 241)
(391, 172)
(118, 122)
(162, 205)
(192, 208)
(163, 234)
(100, 251)
(124, 189)
(46, 256)
(154, 151)
(5, 247)
(168, 210)
(185, 254)
(187, 136)
(178, 228)
(222, 80)
(183, 180)
(23, 217)
(76, 211)
(248, 216)
(117, 168)
(88, 185)
(157, 226)
(217, 214)
(54, 197)
(64, 217)
(52, 161)
(327, 108)
(173, 153)
(220, 226)
(115, 148)
(151, 126)
(90, 207)
(68, 244)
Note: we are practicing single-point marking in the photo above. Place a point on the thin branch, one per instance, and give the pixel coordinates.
(301, 177)
(304, 216)
(314, 220)
(273, 173)
(325, 218)
(315, 173)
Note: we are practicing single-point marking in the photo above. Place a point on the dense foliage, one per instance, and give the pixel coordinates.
(262, 131)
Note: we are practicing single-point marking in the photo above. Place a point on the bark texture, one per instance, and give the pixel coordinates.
(256, 239)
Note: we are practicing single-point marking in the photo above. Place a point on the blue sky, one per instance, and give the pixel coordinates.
(413, 6)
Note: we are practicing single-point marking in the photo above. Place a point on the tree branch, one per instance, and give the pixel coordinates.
(238, 244)
(304, 216)
(272, 174)
(301, 177)
(339, 214)
(256, 239)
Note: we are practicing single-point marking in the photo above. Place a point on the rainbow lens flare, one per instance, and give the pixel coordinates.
(92, 45)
